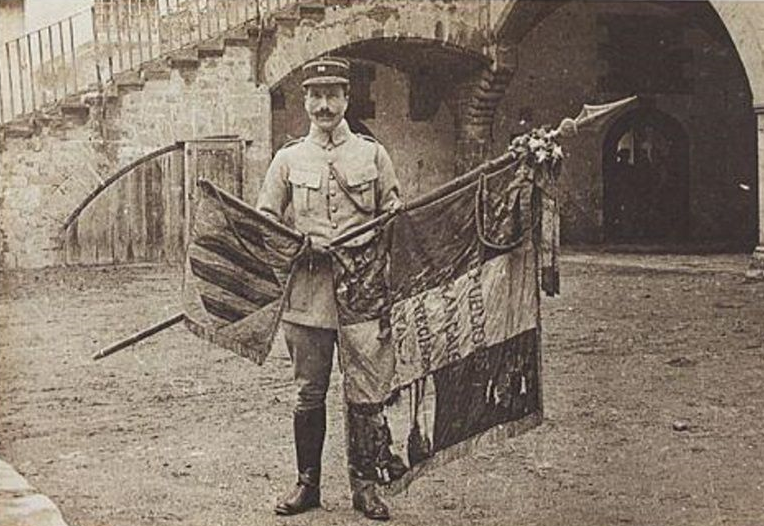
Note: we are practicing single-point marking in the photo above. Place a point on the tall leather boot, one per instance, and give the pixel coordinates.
(309, 432)
(370, 460)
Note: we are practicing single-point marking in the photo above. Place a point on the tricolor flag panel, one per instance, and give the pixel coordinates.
(438, 304)
(439, 317)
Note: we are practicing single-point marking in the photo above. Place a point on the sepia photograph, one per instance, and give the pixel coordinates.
(340, 262)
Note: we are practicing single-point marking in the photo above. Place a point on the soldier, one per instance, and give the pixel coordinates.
(334, 180)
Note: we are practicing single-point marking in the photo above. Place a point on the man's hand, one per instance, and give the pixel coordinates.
(319, 246)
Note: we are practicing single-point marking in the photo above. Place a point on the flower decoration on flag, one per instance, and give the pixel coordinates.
(537, 148)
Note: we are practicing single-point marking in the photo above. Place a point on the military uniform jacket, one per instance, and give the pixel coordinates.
(333, 182)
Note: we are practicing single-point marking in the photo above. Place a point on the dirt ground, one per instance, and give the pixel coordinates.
(175, 431)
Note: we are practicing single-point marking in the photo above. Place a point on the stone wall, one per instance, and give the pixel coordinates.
(423, 152)
(558, 71)
(45, 176)
(47, 172)
(463, 25)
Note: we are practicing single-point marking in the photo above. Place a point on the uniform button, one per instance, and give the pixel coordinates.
(332, 193)
(331, 177)
(334, 225)
(334, 209)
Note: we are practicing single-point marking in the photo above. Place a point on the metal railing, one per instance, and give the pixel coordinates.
(86, 49)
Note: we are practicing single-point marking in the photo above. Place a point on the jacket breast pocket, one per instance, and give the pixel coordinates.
(363, 184)
(306, 186)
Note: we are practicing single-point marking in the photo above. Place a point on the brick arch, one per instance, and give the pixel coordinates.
(406, 54)
(460, 26)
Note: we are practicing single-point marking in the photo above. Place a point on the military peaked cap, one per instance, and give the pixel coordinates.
(326, 70)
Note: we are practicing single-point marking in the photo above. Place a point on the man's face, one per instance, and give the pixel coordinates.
(326, 105)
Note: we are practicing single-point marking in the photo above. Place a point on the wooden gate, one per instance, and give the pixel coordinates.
(141, 214)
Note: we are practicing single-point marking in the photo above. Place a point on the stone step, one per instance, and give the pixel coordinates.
(479, 106)
(18, 131)
(157, 70)
(75, 113)
(184, 60)
(215, 48)
(311, 11)
(238, 37)
(492, 96)
(75, 109)
(128, 81)
(480, 117)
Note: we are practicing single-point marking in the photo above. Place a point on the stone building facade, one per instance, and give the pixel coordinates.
(444, 84)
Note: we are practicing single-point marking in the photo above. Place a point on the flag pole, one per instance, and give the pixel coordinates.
(142, 335)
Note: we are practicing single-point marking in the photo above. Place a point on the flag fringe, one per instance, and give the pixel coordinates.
(493, 435)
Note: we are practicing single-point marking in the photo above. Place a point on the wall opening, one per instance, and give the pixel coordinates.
(645, 168)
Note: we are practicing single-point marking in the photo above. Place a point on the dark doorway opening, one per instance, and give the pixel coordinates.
(645, 168)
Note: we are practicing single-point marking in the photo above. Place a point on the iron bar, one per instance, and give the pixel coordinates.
(63, 56)
(42, 66)
(119, 39)
(170, 31)
(97, 46)
(209, 17)
(148, 34)
(2, 104)
(10, 77)
(217, 18)
(139, 34)
(31, 72)
(182, 15)
(20, 78)
(129, 27)
(199, 19)
(109, 43)
(158, 18)
(74, 54)
(227, 8)
(52, 63)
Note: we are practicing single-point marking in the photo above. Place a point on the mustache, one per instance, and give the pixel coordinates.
(324, 113)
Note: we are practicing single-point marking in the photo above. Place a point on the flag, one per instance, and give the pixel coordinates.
(438, 304)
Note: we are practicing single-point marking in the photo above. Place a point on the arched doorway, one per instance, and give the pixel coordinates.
(645, 169)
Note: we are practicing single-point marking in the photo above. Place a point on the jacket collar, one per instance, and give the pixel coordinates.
(337, 136)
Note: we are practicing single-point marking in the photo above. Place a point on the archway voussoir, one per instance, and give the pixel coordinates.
(452, 25)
